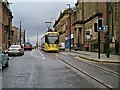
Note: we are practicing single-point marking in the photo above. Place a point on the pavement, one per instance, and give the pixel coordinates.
(93, 56)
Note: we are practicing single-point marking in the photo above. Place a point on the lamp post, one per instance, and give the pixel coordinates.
(24, 36)
(69, 26)
(9, 32)
(37, 40)
(107, 33)
(20, 32)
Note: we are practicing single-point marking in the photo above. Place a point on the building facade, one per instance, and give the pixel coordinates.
(5, 24)
(79, 33)
(62, 25)
(114, 26)
(83, 19)
(16, 35)
(87, 14)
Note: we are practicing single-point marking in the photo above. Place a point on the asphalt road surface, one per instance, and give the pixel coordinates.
(38, 69)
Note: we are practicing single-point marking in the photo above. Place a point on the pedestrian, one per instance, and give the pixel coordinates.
(87, 47)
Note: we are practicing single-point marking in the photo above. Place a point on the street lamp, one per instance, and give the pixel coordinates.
(20, 33)
(9, 32)
(107, 33)
(69, 26)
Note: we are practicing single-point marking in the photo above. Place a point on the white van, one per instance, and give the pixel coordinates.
(62, 46)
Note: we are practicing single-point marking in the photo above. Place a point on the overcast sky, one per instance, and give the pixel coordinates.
(33, 15)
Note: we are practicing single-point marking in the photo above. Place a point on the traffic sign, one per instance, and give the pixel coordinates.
(103, 29)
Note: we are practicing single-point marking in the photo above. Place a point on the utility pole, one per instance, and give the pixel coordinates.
(37, 40)
(20, 32)
(69, 26)
(24, 36)
(99, 29)
(9, 33)
(107, 37)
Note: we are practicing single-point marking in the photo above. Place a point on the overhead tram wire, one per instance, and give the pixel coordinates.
(17, 14)
(55, 10)
(19, 17)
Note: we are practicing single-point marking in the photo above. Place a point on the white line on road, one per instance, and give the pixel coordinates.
(31, 53)
(41, 54)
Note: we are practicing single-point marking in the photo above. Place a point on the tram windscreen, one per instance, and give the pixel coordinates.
(53, 39)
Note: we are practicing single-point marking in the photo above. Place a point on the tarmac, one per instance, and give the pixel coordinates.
(93, 56)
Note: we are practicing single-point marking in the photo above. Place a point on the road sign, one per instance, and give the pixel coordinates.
(103, 29)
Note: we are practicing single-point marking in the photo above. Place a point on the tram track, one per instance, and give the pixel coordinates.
(102, 68)
(88, 75)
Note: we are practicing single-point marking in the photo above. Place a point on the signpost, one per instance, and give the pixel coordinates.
(100, 28)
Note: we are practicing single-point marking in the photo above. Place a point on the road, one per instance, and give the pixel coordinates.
(38, 69)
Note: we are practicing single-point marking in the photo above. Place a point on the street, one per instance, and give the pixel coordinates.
(38, 69)
(69, 44)
(34, 71)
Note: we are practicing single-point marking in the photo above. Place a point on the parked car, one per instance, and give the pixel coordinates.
(28, 46)
(15, 50)
(3, 58)
(62, 46)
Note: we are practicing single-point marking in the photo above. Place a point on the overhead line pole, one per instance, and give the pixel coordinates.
(24, 36)
(69, 26)
(9, 33)
(37, 40)
(107, 33)
(20, 32)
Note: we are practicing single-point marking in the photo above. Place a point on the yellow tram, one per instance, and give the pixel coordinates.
(50, 41)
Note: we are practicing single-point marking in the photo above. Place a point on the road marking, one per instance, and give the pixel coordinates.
(41, 54)
(31, 53)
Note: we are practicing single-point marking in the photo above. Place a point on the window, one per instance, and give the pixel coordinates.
(87, 32)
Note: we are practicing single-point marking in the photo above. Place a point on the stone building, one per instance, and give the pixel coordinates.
(16, 35)
(83, 18)
(5, 24)
(87, 14)
(114, 26)
(78, 25)
(61, 25)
